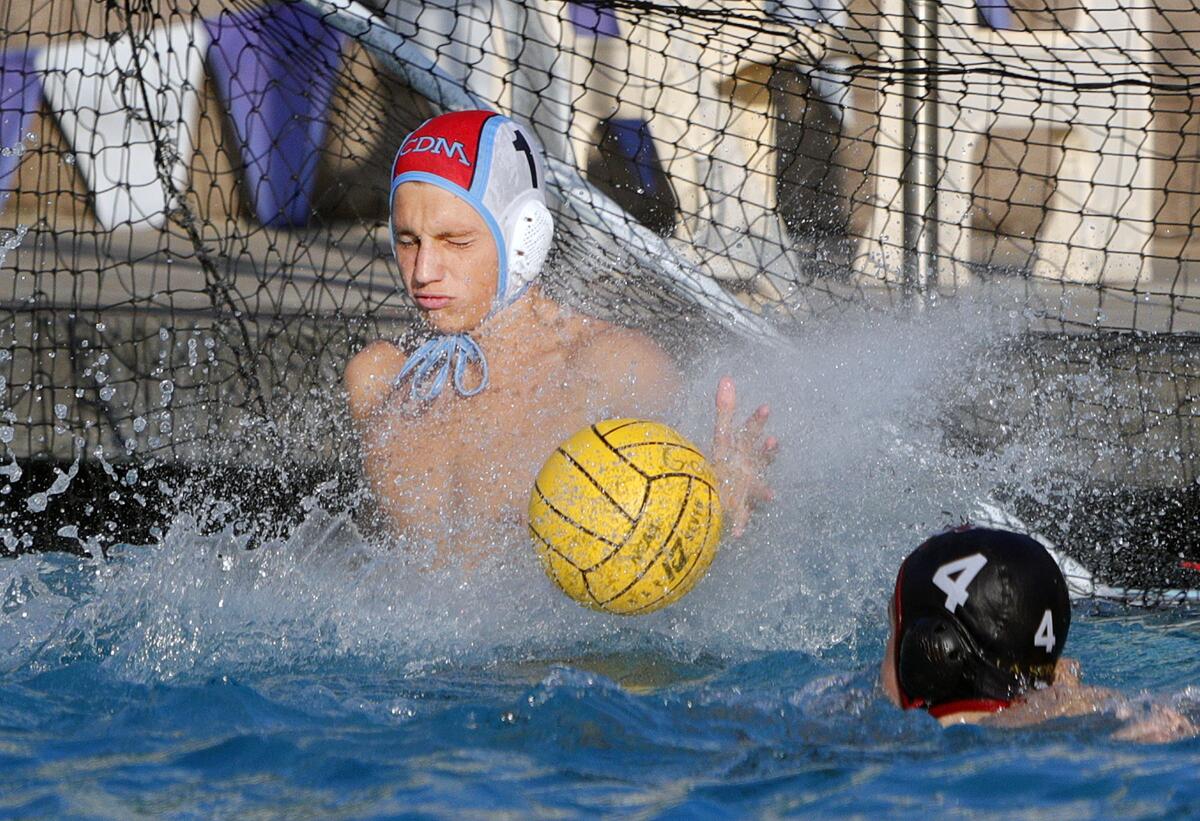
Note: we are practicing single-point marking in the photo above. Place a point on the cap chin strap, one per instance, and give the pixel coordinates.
(433, 361)
(970, 705)
(431, 364)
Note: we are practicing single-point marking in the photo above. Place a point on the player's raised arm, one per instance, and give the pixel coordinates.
(741, 457)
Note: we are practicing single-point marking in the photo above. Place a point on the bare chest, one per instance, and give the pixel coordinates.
(475, 457)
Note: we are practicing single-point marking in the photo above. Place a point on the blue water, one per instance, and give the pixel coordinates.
(326, 675)
(103, 714)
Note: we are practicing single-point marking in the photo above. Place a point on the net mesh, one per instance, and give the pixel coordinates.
(193, 198)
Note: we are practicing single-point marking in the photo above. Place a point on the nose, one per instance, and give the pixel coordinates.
(427, 267)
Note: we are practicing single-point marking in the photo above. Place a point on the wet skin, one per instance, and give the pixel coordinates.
(440, 470)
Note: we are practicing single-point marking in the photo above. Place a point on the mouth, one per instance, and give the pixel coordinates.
(432, 302)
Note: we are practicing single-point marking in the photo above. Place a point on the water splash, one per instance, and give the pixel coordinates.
(861, 478)
(11, 241)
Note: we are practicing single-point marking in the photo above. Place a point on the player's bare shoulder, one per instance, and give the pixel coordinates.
(628, 361)
(370, 376)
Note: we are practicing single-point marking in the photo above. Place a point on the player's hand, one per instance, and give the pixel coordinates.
(1066, 673)
(1162, 725)
(740, 458)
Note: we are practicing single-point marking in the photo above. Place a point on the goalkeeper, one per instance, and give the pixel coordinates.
(454, 429)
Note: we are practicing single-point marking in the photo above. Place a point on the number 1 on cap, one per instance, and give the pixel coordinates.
(522, 145)
(954, 577)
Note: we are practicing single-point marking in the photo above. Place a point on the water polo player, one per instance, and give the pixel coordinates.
(456, 423)
(979, 619)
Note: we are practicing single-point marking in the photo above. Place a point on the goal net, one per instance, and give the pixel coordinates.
(193, 235)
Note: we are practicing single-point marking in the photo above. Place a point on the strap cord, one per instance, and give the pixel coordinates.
(430, 367)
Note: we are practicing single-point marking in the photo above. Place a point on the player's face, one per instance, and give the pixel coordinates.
(447, 256)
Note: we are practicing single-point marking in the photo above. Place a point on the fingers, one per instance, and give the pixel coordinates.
(726, 406)
(761, 493)
(726, 394)
(753, 429)
(1161, 726)
(744, 502)
(742, 456)
(741, 515)
(1066, 672)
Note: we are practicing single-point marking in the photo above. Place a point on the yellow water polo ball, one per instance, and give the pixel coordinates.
(625, 516)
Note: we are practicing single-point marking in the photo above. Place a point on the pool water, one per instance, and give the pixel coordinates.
(117, 703)
(330, 675)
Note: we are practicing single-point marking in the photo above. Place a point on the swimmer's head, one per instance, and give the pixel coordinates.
(978, 618)
(493, 165)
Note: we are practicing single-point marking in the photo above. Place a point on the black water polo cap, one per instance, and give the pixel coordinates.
(981, 616)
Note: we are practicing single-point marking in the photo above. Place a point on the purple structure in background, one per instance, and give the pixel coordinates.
(274, 70)
(20, 97)
(635, 145)
(593, 19)
(996, 14)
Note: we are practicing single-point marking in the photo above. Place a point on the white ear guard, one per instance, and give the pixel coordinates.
(531, 233)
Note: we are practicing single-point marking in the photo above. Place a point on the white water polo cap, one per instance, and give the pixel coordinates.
(495, 165)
